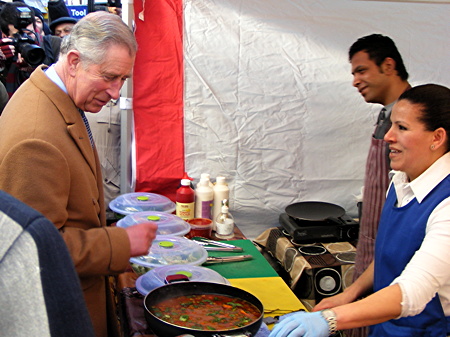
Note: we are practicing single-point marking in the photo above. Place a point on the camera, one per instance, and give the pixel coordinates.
(31, 53)
(25, 45)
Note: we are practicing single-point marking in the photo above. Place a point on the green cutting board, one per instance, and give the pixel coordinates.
(257, 267)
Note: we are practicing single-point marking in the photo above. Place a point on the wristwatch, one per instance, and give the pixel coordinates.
(330, 317)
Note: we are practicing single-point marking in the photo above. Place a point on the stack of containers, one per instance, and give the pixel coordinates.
(169, 246)
(171, 253)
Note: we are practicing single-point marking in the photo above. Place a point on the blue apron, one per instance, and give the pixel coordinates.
(400, 235)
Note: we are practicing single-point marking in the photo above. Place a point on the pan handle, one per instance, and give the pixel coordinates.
(240, 335)
(245, 334)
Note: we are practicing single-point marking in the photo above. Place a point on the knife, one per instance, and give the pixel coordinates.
(224, 249)
(213, 259)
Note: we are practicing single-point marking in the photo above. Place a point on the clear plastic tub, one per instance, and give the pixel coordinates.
(130, 203)
(157, 276)
(169, 250)
(168, 224)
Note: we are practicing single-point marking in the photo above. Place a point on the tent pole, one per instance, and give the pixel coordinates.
(127, 179)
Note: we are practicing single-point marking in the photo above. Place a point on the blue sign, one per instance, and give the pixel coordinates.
(77, 12)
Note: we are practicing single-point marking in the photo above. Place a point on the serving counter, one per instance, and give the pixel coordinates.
(255, 276)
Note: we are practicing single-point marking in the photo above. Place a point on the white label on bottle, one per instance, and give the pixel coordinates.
(185, 211)
(225, 228)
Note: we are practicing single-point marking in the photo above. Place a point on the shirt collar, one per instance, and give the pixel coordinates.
(427, 181)
(53, 75)
(389, 109)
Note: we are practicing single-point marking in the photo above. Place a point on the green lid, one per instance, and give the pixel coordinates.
(153, 217)
(184, 272)
(166, 244)
(142, 198)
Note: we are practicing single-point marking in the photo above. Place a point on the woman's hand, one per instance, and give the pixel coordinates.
(302, 324)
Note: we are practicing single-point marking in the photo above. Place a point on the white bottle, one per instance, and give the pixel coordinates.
(224, 223)
(204, 196)
(221, 192)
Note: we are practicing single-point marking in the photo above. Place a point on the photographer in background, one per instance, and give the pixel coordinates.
(22, 50)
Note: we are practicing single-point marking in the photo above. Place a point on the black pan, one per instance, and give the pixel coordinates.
(314, 211)
(165, 329)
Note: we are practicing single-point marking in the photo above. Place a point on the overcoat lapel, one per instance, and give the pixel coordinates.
(80, 136)
(69, 112)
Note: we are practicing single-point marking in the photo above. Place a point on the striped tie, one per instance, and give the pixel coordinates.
(86, 123)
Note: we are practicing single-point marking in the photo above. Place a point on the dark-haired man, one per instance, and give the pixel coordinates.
(380, 76)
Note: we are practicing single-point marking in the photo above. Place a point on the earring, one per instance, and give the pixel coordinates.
(432, 147)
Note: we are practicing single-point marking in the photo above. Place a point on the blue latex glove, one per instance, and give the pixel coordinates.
(301, 324)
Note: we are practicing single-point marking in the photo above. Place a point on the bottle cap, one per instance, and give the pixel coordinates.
(185, 182)
(220, 180)
(206, 176)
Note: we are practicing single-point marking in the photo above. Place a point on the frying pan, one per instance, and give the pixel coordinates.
(314, 211)
(164, 329)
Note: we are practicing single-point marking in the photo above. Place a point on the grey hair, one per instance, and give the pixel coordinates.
(95, 33)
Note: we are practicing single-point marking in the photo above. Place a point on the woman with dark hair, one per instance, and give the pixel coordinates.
(410, 275)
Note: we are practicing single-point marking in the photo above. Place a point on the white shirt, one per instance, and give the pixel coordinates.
(51, 74)
(428, 271)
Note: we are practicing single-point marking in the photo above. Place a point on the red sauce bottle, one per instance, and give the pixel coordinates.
(185, 200)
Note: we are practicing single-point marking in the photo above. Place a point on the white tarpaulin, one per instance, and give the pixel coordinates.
(269, 101)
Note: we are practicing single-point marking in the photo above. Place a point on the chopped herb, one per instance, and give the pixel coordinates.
(184, 318)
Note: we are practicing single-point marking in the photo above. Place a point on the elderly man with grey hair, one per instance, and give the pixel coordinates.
(49, 161)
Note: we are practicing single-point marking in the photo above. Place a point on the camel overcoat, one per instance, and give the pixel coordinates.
(47, 161)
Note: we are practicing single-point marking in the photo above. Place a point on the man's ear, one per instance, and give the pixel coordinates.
(74, 61)
(388, 66)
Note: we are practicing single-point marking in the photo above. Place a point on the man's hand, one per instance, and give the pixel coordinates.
(141, 237)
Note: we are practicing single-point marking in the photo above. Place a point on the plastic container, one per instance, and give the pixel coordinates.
(168, 249)
(130, 203)
(168, 224)
(224, 223)
(157, 277)
(221, 192)
(200, 227)
(204, 196)
(185, 200)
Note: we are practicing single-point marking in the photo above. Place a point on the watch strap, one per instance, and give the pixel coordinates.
(330, 317)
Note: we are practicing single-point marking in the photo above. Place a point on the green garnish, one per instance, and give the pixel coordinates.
(184, 318)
